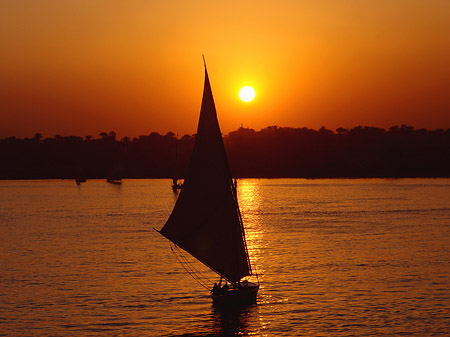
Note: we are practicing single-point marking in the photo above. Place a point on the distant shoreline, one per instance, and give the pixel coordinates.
(273, 152)
(268, 178)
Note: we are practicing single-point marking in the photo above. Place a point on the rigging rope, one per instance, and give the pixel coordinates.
(190, 269)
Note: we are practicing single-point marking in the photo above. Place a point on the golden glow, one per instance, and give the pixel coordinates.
(247, 93)
(250, 202)
(311, 63)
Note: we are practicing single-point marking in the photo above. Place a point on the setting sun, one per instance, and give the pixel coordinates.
(247, 93)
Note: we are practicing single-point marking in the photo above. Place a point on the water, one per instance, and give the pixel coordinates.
(334, 257)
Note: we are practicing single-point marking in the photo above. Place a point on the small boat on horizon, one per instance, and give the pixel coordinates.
(206, 221)
(116, 172)
(117, 181)
(176, 185)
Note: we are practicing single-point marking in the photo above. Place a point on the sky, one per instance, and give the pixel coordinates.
(81, 67)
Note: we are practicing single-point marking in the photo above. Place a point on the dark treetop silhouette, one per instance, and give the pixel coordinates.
(271, 152)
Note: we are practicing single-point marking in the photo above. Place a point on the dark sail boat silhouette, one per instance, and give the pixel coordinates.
(175, 184)
(206, 220)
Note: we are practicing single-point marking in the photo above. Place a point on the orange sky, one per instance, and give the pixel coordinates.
(80, 67)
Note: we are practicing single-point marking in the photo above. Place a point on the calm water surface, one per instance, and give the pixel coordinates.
(334, 257)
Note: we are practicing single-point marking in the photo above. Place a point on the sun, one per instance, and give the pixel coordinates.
(247, 93)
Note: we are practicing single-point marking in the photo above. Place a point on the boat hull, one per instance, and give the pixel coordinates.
(114, 181)
(241, 295)
(176, 187)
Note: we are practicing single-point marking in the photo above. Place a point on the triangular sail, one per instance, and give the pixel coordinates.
(205, 220)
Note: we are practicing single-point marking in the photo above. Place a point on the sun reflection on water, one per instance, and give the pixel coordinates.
(249, 198)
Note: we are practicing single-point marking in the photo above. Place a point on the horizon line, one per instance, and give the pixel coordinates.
(402, 126)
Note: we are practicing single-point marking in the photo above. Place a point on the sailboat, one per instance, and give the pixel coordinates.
(115, 174)
(116, 181)
(206, 221)
(80, 180)
(175, 184)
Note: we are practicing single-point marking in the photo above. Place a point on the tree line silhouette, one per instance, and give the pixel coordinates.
(271, 152)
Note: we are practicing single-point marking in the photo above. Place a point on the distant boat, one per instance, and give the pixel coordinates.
(114, 180)
(116, 172)
(206, 221)
(80, 180)
(175, 184)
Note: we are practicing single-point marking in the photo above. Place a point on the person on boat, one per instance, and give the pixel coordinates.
(225, 287)
(215, 289)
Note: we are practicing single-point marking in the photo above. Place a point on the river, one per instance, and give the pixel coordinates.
(335, 257)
